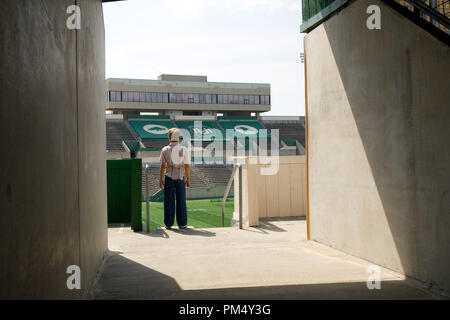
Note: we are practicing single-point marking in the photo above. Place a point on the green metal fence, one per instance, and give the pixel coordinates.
(124, 192)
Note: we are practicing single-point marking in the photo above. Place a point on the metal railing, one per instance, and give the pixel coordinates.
(434, 11)
(236, 166)
(147, 198)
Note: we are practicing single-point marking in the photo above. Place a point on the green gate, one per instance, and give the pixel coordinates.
(124, 192)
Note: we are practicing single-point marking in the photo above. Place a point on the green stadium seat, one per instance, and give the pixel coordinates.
(151, 129)
(210, 131)
(243, 129)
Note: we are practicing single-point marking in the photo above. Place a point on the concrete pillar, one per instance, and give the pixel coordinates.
(52, 133)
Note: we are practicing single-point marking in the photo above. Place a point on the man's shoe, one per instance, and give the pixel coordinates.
(183, 227)
(168, 228)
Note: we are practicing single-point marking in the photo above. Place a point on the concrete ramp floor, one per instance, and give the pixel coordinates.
(273, 261)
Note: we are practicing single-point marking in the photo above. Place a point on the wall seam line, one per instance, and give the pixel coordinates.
(78, 154)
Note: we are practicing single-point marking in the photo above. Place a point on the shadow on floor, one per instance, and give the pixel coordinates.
(266, 223)
(123, 278)
(162, 233)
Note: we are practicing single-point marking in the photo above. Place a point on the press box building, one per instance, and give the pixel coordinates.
(186, 95)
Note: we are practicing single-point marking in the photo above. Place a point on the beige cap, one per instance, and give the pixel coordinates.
(176, 134)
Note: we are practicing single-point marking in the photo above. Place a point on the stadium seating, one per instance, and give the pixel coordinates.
(157, 144)
(198, 179)
(151, 129)
(116, 132)
(202, 176)
(242, 129)
(217, 175)
(152, 132)
(289, 132)
(210, 130)
(153, 182)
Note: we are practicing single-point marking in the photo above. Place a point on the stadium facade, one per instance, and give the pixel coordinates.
(186, 95)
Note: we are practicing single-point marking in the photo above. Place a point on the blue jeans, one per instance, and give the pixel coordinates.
(174, 190)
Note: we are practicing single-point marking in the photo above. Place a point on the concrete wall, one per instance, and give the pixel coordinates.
(52, 201)
(379, 156)
(91, 139)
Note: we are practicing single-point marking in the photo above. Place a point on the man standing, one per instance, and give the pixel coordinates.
(175, 160)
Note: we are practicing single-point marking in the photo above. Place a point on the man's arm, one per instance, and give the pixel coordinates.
(162, 169)
(188, 175)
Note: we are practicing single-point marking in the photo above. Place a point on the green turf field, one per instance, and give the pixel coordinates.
(201, 213)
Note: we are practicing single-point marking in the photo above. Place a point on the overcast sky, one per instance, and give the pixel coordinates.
(226, 40)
